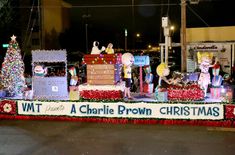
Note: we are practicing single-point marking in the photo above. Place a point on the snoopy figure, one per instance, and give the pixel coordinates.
(95, 49)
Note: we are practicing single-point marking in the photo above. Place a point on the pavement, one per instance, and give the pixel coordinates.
(18, 137)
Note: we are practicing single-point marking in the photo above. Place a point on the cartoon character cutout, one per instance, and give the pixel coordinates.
(39, 71)
(109, 49)
(204, 77)
(127, 61)
(163, 71)
(95, 49)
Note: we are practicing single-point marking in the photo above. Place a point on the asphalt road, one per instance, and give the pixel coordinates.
(75, 138)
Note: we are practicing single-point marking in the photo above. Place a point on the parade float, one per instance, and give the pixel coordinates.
(101, 98)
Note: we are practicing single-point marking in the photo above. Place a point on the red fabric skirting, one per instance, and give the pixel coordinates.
(224, 123)
(101, 94)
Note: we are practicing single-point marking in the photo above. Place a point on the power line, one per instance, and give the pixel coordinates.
(198, 16)
(29, 21)
(168, 8)
(103, 6)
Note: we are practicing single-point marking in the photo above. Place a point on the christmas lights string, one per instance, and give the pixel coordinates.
(104, 6)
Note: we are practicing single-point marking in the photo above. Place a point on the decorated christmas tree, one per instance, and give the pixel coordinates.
(13, 69)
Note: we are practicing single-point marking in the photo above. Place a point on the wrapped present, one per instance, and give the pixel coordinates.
(215, 93)
(193, 76)
(73, 88)
(73, 80)
(217, 80)
(148, 88)
(229, 95)
(28, 94)
(2, 93)
(162, 96)
(73, 93)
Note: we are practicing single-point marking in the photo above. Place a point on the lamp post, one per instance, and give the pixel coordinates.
(86, 16)
(166, 27)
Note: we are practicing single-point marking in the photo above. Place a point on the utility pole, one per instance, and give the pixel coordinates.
(183, 36)
(133, 23)
(41, 43)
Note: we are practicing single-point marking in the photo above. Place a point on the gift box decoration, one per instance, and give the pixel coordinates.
(215, 93)
(73, 93)
(217, 80)
(229, 95)
(2, 93)
(193, 76)
(28, 95)
(148, 87)
(161, 96)
(73, 88)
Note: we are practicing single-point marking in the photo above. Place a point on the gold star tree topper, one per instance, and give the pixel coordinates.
(13, 38)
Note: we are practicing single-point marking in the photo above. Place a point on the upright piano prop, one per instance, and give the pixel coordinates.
(49, 87)
(103, 77)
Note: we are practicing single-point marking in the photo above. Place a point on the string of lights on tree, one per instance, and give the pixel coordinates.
(13, 69)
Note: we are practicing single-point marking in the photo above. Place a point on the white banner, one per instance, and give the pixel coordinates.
(122, 110)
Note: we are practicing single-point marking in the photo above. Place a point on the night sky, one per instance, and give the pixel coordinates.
(108, 19)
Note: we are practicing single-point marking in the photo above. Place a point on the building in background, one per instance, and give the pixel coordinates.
(217, 40)
(42, 22)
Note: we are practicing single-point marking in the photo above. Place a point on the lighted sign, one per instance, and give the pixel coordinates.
(141, 60)
(5, 45)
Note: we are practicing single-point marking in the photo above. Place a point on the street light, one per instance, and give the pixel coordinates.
(172, 30)
(137, 35)
(138, 40)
